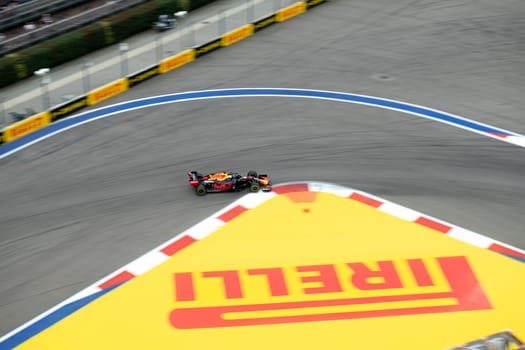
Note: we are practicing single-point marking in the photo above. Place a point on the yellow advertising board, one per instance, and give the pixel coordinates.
(237, 35)
(26, 126)
(290, 11)
(306, 270)
(107, 91)
(176, 61)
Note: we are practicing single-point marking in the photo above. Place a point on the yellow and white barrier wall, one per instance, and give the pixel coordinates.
(119, 86)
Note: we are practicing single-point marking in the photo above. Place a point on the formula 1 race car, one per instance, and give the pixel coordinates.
(228, 182)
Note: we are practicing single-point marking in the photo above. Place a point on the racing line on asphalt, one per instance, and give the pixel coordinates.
(103, 112)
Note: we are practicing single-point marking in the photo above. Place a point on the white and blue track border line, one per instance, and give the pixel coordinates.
(403, 107)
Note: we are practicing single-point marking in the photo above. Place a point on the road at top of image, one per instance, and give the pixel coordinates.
(78, 77)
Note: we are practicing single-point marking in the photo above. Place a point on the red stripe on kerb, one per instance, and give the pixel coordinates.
(504, 250)
(121, 277)
(178, 245)
(281, 189)
(366, 200)
(232, 213)
(498, 135)
(433, 224)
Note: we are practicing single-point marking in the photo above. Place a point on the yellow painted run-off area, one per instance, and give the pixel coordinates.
(307, 270)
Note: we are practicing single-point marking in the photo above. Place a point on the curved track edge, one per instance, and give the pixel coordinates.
(211, 224)
(104, 112)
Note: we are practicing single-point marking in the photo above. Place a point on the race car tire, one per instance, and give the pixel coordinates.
(200, 190)
(255, 187)
(252, 173)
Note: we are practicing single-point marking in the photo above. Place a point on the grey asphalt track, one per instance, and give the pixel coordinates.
(76, 207)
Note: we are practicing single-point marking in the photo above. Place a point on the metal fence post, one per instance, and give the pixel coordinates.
(44, 81)
(159, 46)
(250, 4)
(276, 5)
(179, 16)
(192, 35)
(182, 44)
(124, 47)
(2, 111)
(86, 79)
(221, 22)
(47, 100)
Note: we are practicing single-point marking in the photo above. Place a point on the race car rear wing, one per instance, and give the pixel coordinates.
(195, 178)
(194, 175)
